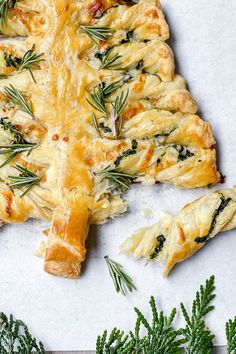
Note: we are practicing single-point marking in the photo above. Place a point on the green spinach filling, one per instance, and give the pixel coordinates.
(223, 204)
(127, 153)
(183, 152)
(159, 247)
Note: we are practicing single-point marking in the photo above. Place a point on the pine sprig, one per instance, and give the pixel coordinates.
(16, 97)
(230, 329)
(198, 337)
(97, 33)
(121, 280)
(15, 337)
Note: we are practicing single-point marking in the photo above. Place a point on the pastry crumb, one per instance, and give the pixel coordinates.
(40, 250)
(147, 213)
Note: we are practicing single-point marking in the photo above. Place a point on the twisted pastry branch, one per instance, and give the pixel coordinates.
(174, 239)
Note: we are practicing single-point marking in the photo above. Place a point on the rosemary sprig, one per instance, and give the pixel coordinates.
(16, 97)
(97, 33)
(116, 113)
(5, 5)
(30, 61)
(97, 99)
(26, 179)
(3, 76)
(13, 150)
(16, 338)
(230, 329)
(111, 88)
(121, 280)
(198, 337)
(119, 179)
(109, 60)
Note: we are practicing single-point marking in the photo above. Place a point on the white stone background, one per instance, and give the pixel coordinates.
(68, 314)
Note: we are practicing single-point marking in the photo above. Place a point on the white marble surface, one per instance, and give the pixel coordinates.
(68, 315)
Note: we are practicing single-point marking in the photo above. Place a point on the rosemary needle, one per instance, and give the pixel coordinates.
(16, 97)
(97, 33)
(121, 280)
(5, 5)
(26, 179)
(119, 179)
(13, 150)
(109, 61)
(30, 61)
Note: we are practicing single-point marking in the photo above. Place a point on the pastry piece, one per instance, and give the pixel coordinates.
(174, 239)
(89, 103)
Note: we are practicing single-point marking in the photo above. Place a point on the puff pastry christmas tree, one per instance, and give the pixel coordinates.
(106, 109)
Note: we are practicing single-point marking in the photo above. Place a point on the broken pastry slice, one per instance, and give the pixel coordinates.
(174, 239)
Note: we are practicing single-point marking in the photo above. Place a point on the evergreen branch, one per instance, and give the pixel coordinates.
(15, 337)
(119, 180)
(5, 6)
(161, 336)
(16, 97)
(230, 329)
(26, 179)
(121, 280)
(198, 337)
(97, 33)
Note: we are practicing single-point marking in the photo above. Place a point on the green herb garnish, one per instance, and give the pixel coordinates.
(13, 150)
(5, 6)
(121, 280)
(116, 113)
(30, 61)
(109, 60)
(118, 179)
(95, 123)
(25, 180)
(97, 99)
(97, 33)
(16, 97)
(16, 338)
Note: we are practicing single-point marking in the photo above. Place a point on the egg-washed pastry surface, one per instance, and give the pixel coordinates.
(174, 239)
(90, 103)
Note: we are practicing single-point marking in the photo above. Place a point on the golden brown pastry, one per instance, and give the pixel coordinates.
(89, 103)
(174, 239)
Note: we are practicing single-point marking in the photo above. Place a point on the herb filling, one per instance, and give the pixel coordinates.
(223, 204)
(159, 247)
(184, 153)
(127, 153)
